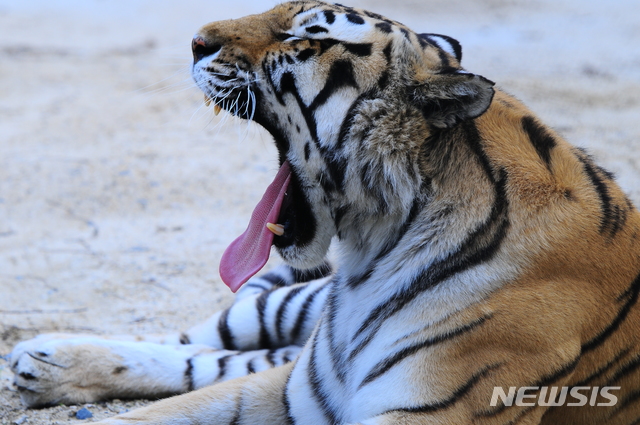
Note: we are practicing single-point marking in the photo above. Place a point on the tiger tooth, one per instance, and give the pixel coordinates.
(207, 100)
(276, 229)
(216, 109)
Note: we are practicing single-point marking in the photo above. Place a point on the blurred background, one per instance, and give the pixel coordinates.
(119, 190)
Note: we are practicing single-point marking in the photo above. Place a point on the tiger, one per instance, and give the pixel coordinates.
(486, 271)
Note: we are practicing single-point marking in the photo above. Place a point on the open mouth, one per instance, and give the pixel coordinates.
(271, 220)
(283, 218)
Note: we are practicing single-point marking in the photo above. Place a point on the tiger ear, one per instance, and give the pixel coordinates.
(444, 42)
(451, 96)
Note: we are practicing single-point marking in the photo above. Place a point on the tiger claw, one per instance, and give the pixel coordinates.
(216, 109)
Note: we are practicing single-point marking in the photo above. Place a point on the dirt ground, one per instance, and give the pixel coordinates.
(119, 191)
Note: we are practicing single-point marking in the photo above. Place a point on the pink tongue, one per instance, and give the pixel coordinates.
(250, 251)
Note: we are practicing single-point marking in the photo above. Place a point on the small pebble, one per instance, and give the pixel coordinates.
(21, 420)
(84, 413)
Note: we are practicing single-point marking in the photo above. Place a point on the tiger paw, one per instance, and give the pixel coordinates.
(51, 371)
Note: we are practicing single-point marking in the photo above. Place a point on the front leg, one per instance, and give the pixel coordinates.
(254, 399)
(82, 370)
(254, 334)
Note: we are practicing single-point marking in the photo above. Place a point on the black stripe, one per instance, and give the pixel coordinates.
(188, 375)
(339, 214)
(542, 382)
(603, 370)
(270, 357)
(337, 170)
(386, 364)
(540, 138)
(384, 27)
(325, 181)
(307, 151)
(251, 368)
(315, 29)
(445, 66)
(256, 286)
(286, 403)
(305, 54)
(425, 41)
(283, 36)
(625, 371)
(222, 77)
(184, 339)
(455, 397)
(373, 15)
(354, 18)
(225, 331)
(315, 273)
(261, 306)
(370, 179)
(345, 127)
(329, 16)
(340, 75)
(222, 367)
(317, 391)
(336, 352)
(356, 280)
(383, 81)
(546, 380)
(406, 34)
(387, 52)
(632, 297)
(613, 217)
(521, 414)
(269, 121)
(326, 44)
(283, 309)
(303, 314)
(238, 410)
(564, 371)
(363, 49)
(276, 280)
(629, 400)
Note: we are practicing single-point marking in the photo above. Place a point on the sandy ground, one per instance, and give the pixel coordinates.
(119, 190)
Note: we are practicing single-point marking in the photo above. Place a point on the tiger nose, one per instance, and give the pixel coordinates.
(202, 49)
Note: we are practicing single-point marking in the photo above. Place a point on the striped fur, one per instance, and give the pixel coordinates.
(476, 247)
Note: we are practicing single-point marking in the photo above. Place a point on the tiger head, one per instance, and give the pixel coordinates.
(350, 98)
